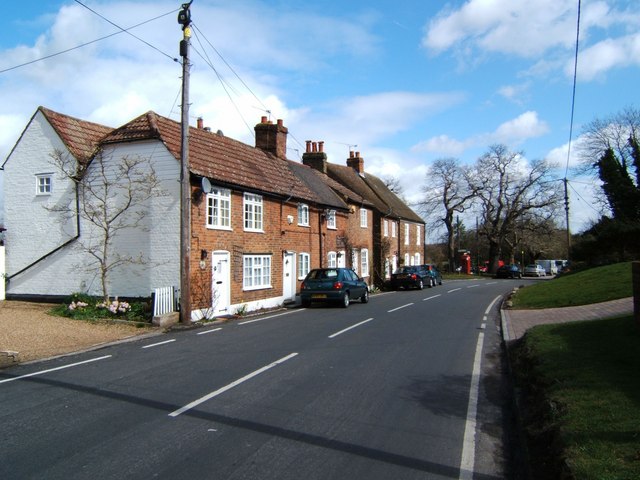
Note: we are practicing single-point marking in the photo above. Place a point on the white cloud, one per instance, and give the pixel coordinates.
(441, 144)
(606, 55)
(525, 126)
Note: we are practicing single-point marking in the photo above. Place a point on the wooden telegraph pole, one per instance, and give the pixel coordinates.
(184, 19)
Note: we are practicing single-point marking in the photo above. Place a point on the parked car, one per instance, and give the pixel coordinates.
(335, 285)
(509, 271)
(534, 270)
(434, 274)
(413, 276)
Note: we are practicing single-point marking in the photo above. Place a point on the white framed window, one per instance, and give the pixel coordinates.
(303, 215)
(219, 209)
(44, 184)
(406, 259)
(418, 236)
(363, 218)
(331, 219)
(304, 262)
(364, 262)
(256, 272)
(385, 228)
(417, 258)
(332, 260)
(393, 229)
(253, 212)
(406, 234)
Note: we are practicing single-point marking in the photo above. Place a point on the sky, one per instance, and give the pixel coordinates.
(402, 82)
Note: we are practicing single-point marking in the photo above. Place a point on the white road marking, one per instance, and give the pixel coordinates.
(349, 328)
(159, 343)
(432, 296)
(467, 462)
(209, 396)
(473, 286)
(271, 316)
(454, 290)
(41, 372)
(398, 308)
(209, 331)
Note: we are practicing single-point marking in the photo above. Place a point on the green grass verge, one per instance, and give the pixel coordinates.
(581, 383)
(595, 285)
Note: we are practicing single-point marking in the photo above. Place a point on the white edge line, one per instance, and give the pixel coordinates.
(270, 316)
(209, 396)
(454, 290)
(398, 308)
(486, 312)
(467, 461)
(54, 369)
(349, 328)
(209, 331)
(432, 296)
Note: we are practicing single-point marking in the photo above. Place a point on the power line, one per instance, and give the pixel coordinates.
(126, 30)
(89, 43)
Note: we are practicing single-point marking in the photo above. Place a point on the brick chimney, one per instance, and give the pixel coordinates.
(356, 162)
(315, 157)
(272, 138)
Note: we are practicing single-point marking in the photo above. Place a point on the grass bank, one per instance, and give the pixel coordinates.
(579, 381)
(581, 288)
(581, 402)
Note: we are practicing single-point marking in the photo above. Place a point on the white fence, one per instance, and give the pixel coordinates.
(163, 301)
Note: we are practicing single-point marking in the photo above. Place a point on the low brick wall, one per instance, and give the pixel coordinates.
(635, 272)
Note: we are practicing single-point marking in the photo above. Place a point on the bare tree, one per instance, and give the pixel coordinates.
(113, 195)
(446, 193)
(508, 192)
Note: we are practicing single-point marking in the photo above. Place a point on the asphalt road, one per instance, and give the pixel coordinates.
(408, 386)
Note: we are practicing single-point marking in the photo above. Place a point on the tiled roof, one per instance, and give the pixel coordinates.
(81, 137)
(225, 160)
(373, 190)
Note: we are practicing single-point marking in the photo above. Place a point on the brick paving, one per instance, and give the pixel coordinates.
(516, 322)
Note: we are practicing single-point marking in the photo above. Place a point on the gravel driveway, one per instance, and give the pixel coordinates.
(27, 328)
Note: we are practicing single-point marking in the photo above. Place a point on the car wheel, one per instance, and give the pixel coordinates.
(345, 300)
(420, 285)
(365, 296)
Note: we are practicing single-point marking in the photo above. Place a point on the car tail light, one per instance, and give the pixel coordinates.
(303, 286)
(337, 285)
(413, 276)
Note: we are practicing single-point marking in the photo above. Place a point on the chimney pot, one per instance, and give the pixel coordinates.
(308, 146)
(263, 119)
(321, 146)
(350, 153)
(200, 122)
(280, 123)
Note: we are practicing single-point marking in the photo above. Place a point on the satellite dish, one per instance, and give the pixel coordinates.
(206, 185)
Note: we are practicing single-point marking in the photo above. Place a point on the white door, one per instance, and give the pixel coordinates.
(289, 276)
(342, 259)
(220, 282)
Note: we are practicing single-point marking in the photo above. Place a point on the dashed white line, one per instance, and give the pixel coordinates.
(432, 296)
(209, 396)
(349, 328)
(271, 316)
(209, 331)
(473, 286)
(454, 290)
(398, 308)
(41, 372)
(159, 343)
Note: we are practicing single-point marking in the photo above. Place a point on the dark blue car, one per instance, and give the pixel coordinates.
(333, 285)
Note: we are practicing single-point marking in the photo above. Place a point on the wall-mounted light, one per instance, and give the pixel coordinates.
(289, 219)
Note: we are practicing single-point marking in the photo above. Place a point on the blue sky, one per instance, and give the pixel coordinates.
(408, 82)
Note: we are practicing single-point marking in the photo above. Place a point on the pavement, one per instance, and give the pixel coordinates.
(516, 322)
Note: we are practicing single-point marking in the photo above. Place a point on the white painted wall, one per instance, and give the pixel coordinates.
(32, 231)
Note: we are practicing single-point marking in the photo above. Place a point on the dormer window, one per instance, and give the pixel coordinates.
(303, 215)
(44, 184)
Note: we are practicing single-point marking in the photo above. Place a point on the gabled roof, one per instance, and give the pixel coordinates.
(81, 137)
(227, 161)
(374, 191)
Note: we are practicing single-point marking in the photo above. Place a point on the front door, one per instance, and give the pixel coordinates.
(220, 283)
(289, 276)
